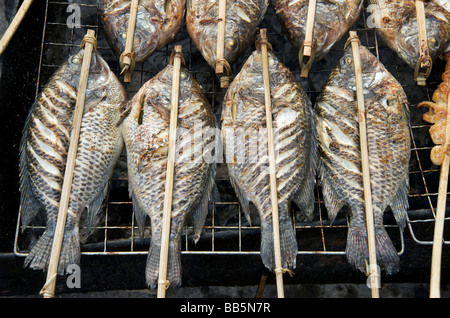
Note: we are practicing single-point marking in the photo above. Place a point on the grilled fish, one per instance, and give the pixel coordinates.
(145, 133)
(244, 135)
(388, 139)
(241, 23)
(396, 24)
(332, 20)
(44, 147)
(437, 115)
(157, 24)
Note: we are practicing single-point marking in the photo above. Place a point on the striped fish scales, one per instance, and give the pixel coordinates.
(44, 147)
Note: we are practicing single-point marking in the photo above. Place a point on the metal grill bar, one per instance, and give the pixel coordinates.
(117, 233)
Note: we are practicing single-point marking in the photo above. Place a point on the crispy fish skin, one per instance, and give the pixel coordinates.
(146, 131)
(244, 136)
(242, 20)
(396, 24)
(388, 140)
(44, 147)
(333, 19)
(157, 24)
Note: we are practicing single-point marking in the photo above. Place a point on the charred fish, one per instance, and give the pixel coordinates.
(332, 20)
(157, 24)
(396, 23)
(145, 132)
(388, 140)
(43, 153)
(244, 135)
(241, 24)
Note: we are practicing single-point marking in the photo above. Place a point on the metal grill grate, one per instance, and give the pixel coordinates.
(226, 230)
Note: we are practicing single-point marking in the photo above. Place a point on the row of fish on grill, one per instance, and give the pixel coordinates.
(310, 141)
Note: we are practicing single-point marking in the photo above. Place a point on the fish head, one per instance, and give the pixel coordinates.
(377, 83)
(408, 44)
(372, 70)
(99, 74)
(99, 69)
(327, 28)
(232, 43)
(146, 34)
(345, 66)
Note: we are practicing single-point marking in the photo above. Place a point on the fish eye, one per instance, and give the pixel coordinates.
(347, 60)
(183, 76)
(434, 41)
(76, 59)
(231, 45)
(123, 35)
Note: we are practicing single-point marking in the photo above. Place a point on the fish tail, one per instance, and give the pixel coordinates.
(39, 255)
(387, 255)
(358, 252)
(288, 245)
(173, 265)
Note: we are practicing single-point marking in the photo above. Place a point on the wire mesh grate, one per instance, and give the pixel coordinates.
(226, 230)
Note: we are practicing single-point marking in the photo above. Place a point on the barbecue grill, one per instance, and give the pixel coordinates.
(227, 232)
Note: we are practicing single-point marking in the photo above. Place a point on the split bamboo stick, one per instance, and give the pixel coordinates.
(89, 42)
(220, 46)
(373, 271)
(424, 64)
(11, 30)
(440, 215)
(127, 58)
(168, 195)
(272, 168)
(261, 286)
(307, 50)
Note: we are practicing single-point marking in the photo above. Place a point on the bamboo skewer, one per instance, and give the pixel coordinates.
(272, 168)
(261, 286)
(89, 43)
(307, 50)
(127, 58)
(222, 66)
(373, 271)
(440, 215)
(168, 196)
(424, 64)
(11, 30)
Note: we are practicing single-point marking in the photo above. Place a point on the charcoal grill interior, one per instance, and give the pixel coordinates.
(227, 236)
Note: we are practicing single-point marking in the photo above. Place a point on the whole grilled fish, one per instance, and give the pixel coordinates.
(437, 115)
(44, 147)
(396, 24)
(241, 23)
(157, 24)
(145, 133)
(332, 20)
(389, 152)
(244, 135)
